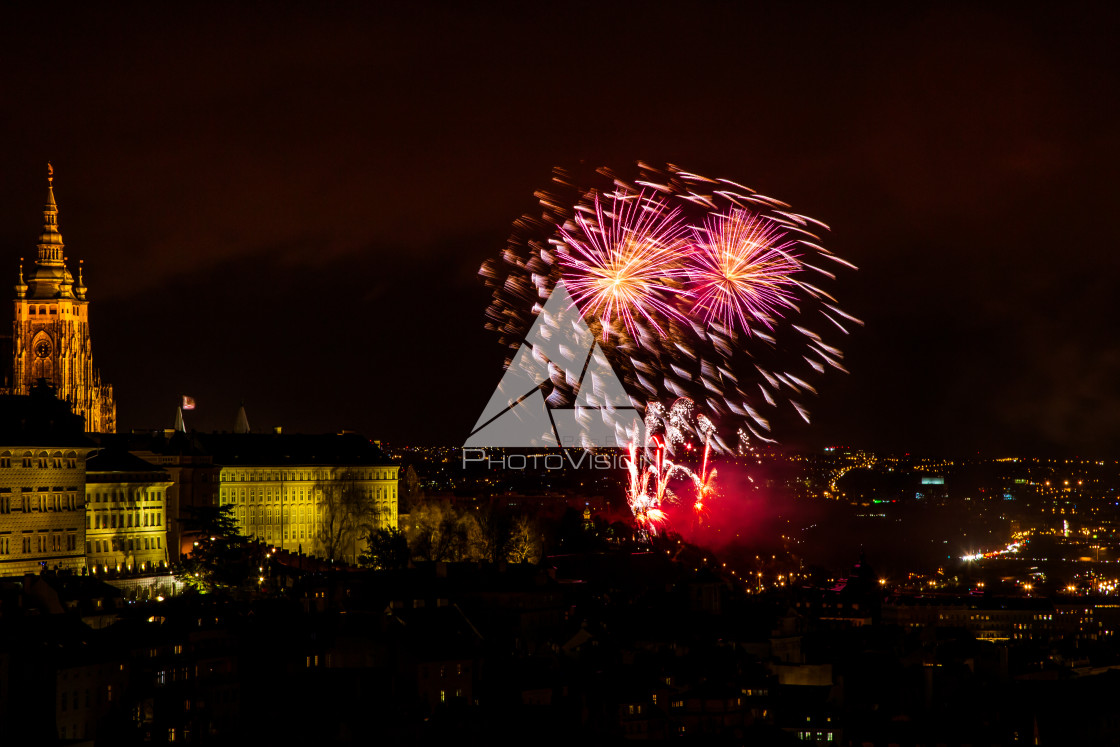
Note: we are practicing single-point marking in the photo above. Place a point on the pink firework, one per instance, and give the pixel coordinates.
(648, 489)
(621, 263)
(704, 482)
(704, 289)
(741, 270)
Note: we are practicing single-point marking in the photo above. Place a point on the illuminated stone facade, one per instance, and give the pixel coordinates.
(285, 507)
(126, 514)
(194, 482)
(281, 486)
(300, 493)
(42, 485)
(50, 339)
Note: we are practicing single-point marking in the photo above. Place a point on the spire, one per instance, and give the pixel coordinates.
(180, 427)
(241, 425)
(79, 288)
(50, 240)
(21, 286)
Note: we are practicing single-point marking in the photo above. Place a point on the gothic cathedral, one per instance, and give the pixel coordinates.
(50, 337)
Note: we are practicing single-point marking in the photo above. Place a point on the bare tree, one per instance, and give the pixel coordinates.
(495, 530)
(525, 543)
(437, 530)
(422, 529)
(411, 492)
(347, 511)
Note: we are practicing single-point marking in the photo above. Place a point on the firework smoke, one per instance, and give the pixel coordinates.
(651, 471)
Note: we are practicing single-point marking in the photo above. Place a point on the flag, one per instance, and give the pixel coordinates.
(188, 402)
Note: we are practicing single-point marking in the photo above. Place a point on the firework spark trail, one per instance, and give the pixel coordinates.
(638, 497)
(620, 263)
(648, 491)
(741, 271)
(700, 288)
(651, 470)
(705, 481)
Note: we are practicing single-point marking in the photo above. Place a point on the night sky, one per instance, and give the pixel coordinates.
(289, 207)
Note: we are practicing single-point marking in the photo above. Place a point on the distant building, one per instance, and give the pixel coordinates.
(854, 602)
(194, 478)
(297, 492)
(51, 339)
(42, 484)
(126, 517)
(290, 491)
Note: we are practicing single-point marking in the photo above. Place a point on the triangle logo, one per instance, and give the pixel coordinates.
(559, 347)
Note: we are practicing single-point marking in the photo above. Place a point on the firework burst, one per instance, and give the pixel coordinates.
(651, 470)
(702, 289)
(741, 271)
(620, 262)
(648, 491)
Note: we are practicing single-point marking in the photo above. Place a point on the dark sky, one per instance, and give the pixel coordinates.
(289, 207)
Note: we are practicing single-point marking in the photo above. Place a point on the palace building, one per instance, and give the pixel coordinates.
(316, 494)
(42, 485)
(126, 513)
(301, 493)
(50, 337)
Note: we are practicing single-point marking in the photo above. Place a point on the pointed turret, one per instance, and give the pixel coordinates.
(66, 284)
(50, 240)
(79, 287)
(241, 425)
(21, 286)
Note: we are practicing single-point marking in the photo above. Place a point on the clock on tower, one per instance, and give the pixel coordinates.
(52, 339)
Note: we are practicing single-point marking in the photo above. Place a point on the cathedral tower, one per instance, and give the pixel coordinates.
(51, 334)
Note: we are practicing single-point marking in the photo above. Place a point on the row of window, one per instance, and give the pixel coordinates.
(40, 462)
(304, 515)
(120, 496)
(304, 476)
(39, 543)
(175, 674)
(96, 568)
(46, 310)
(51, 502)
(127, 544)
(961, 617)
(72, 700)
(42, 502)
(265, 495)
(295, 533)
(118, 521)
